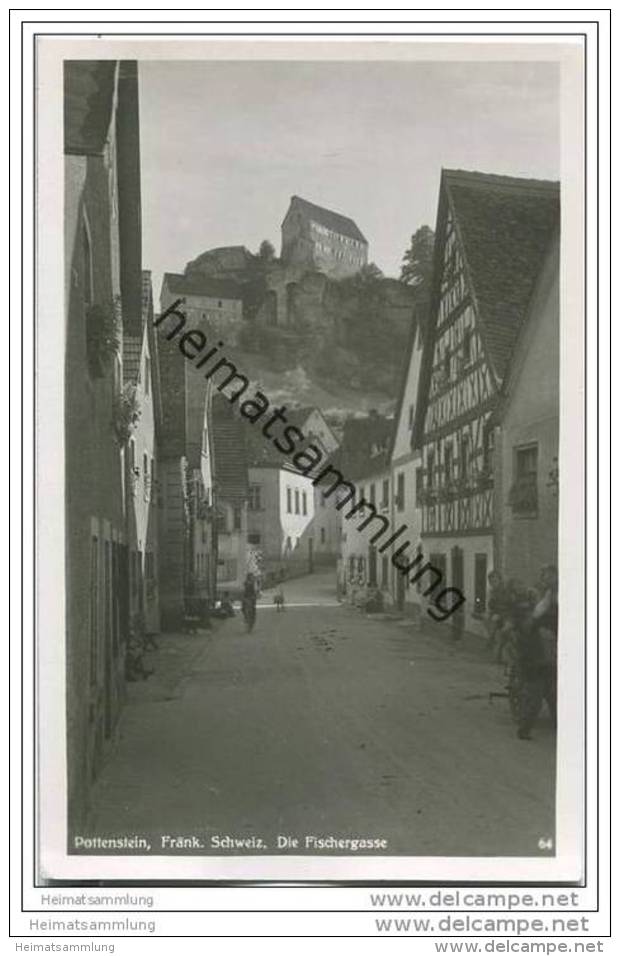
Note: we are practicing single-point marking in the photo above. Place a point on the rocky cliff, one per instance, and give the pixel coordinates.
(334, 343)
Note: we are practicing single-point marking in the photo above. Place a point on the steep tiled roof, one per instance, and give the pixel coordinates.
(200, 285)
(505, 225)
(365, 447)
(88, 102)
(326, 217)
(230, 463)
(298, 416)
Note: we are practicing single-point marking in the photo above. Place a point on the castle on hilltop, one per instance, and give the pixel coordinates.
(317, 238)
(224, 286)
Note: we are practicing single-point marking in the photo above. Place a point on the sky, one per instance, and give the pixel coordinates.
(224, 145)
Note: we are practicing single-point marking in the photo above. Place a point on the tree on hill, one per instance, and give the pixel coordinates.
(266, 251)
(418, 259)
(370, 272)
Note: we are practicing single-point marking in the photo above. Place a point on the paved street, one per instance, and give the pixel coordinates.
(324, 721)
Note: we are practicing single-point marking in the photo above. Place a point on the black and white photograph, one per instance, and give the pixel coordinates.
(321, 334)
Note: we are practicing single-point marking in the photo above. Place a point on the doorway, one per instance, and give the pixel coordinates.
(458, 580)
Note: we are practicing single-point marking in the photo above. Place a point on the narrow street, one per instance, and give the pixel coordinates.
(324, 721)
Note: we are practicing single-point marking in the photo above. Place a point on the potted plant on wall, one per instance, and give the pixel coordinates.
(126, 413)
(102, 335)
(523, 497)
(484, 478)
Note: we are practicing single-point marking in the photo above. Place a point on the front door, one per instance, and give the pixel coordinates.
(458, 580)
(400, 591)
(372, 567)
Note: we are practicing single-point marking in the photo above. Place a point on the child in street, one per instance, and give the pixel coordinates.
(278, 599)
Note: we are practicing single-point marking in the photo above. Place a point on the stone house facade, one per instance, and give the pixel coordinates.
(213, 305)
(527, 437)
(492, 235)
(317, 238)
(103, 295)
(141, 385)
(406, 472)
(281, 520)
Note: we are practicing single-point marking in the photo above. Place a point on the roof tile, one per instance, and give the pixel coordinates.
(331, 220)
(505, 225)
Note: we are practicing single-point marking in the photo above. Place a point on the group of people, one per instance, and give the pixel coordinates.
(522, 634)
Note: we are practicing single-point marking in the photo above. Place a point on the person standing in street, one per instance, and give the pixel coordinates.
(248, 601)
(538, 655)
(497, 623)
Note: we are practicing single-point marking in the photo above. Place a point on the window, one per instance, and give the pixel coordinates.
(222, 521)
(419, 484)
(304, 503)
(411, 413)
(322, 535)
(254, 538)
(400, 491)
(447, 464)
(487, 449)
(480, 583)
(289, 506)
(464, 462)
(288, 544)
(147, 375)
(384, 572)
(372, 493)
(385, 495)
(237, 517)
(227, 569)
(296, 501)
(523, 496)
(254, 502)
(430, 469)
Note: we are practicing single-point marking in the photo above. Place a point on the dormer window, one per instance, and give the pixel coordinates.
(377, 448)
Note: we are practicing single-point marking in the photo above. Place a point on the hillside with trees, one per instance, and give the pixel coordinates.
(344, 340)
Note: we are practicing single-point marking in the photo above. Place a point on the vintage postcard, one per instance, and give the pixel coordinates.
(310, 431)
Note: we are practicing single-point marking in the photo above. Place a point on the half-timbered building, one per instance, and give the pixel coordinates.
(491, 238)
